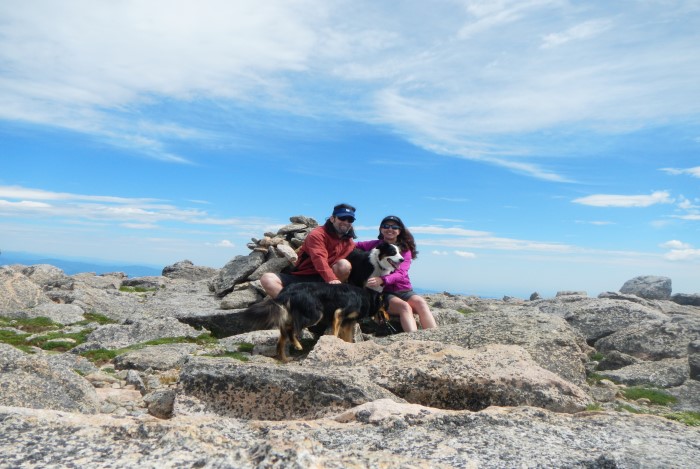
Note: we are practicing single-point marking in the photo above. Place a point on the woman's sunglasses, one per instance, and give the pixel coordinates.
(391, 227)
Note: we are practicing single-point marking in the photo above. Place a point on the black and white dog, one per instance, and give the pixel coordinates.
(380, 261)
(323, 305)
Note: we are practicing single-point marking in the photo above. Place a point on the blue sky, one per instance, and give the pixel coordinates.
(530, 145)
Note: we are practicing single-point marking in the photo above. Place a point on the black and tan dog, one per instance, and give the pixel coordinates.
(302, 305)
(323, 305)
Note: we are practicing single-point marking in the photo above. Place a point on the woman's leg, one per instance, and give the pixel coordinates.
(399, 307)
(421, 308)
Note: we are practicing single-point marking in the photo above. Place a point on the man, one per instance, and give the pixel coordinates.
(322, 255)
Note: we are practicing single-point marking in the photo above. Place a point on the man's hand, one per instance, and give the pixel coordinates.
(336, 281)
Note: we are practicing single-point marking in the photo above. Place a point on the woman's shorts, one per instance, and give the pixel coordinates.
(402, 295)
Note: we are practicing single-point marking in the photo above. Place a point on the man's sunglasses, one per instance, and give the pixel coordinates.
(350, 219)
(391, 227)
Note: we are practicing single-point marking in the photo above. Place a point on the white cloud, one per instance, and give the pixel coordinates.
(612, 200)
(501, 244)
(695, 171)
(135, 213)
(225, 243)
(584, 30)
(466, 80)
(691, 217)
(468, 255)
(683, 254)
(595, 222)
(439, 253)
(675, 244)
(439, 230)
(448, 199)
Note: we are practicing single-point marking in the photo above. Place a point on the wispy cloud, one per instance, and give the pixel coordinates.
(675, 244)
(465, 254)
(626, 201)
(134, 213)
(580, 31)
(595, 222)
(448, 199)
(450, 231)
(680, 251)
(694, 171)
(473, 81)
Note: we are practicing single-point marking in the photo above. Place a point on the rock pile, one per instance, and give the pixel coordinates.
(104, 370)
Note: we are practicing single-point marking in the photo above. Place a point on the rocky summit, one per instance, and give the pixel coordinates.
(111, 371)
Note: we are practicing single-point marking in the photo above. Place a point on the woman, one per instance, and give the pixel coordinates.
(402, 300)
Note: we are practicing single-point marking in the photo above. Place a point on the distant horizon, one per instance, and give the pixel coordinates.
(103, 266)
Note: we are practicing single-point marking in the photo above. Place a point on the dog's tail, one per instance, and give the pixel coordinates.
(266, 314)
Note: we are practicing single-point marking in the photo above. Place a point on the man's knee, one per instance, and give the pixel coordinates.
(342, 269)
(271, 283)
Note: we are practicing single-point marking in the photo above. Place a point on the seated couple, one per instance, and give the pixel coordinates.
(322, 258)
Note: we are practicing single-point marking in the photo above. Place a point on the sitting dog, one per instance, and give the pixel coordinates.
(378, 262)
(320, 305)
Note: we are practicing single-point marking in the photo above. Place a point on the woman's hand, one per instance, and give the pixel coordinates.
(373, 282)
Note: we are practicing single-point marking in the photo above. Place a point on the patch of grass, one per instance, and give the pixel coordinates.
(235, 355)
(16, 340)
(466, 311)
(593, 378)
(656, 396)
(596, 357)
(127, 289)
(58, 345)
(53, 340)
(689, 418)
(595, 407)
(33, 325)
(98, 318)
(100, 356)
(202, 339)
(629, 408)
(246, 347)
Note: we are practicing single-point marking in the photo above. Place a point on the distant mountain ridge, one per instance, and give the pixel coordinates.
(72, 267)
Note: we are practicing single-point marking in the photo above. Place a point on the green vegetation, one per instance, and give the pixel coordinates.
(466, 311)
(235, 355)
(98, 318)
(32, 325)
(246, 347)
(655, 396)
(593, 378)
(43, 333)
(100, 356)
(689, 418)
(596, 357)
(629, 408)
(137, 289)
(595, 407)
(16, 340)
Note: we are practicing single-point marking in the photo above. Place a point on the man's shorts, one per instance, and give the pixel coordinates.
(288, 279)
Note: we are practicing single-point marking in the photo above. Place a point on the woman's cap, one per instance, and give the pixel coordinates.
(392, 218)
